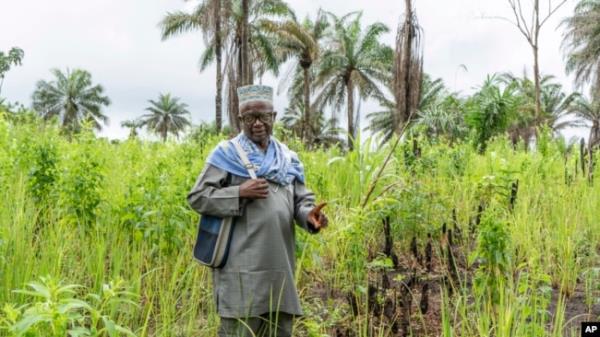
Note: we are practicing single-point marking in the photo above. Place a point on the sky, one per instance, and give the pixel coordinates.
(118, 42)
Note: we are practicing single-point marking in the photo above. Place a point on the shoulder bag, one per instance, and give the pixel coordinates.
(214, 233)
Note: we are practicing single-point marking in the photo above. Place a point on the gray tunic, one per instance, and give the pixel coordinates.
(259, 274)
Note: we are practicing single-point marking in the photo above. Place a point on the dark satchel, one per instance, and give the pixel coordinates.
(215, 233)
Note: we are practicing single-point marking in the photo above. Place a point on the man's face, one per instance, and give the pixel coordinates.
(256, 119)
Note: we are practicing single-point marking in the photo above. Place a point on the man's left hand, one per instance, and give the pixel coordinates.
(318, 218)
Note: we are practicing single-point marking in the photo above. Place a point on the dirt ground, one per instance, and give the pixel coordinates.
(412, 290)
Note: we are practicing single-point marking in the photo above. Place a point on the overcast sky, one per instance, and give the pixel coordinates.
(118, 41)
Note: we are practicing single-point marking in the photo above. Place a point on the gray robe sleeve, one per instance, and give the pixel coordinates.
(304, 202)
(210, 195)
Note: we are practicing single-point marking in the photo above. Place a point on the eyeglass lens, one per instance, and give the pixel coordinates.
(263, 117)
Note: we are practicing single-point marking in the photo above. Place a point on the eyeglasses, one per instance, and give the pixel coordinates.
(265, 118)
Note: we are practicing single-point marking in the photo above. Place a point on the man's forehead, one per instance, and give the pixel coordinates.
(251, 107)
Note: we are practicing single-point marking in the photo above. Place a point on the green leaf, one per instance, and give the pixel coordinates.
(28, 321)
(333, 160)
(124, 330)
(381, 262)
(79, 331)
(72, 304)
(110, 327)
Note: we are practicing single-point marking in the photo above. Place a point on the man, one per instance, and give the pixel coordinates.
(255, 292)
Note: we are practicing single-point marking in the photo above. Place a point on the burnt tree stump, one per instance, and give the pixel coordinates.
(388, 248)
(514, 189)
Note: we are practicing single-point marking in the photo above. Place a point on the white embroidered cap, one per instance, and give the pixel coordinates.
(255, 93)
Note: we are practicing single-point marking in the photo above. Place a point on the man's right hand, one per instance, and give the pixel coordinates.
(254, 189)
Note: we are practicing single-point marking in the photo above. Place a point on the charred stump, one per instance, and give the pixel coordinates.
(414, 249)
(416, 148)
(388, 248)
(353, 302)
(374, 305)
(452, 270)
(405, 304)
(475, 223)
(582, 155)
(514, 189)
(590, 165)
(429, 254)
(456, 227)
(424, 303)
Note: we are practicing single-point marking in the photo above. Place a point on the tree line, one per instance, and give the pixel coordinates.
(337, 63)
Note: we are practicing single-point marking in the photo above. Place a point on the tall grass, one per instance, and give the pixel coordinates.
(91, 212)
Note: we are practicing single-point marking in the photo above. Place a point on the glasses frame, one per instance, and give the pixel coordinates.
(268, 117)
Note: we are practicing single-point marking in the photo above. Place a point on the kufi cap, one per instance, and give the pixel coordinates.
(255, 93)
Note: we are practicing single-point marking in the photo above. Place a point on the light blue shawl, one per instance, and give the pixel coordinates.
(279, 164)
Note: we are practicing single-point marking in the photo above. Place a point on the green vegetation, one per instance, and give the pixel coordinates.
(460, 215)
(110, 226)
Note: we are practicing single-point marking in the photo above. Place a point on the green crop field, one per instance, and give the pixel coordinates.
(96, 238)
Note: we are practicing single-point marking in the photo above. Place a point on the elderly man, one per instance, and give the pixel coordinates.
(255, 292)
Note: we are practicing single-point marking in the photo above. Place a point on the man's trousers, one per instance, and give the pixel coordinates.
(275, 324)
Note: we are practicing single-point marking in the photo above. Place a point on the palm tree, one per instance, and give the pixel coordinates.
(13, 57)
(354, 62)
(588, 111)
(554, 104)
(258, 54)
(443, 118)
(225, 32)
(433, 93)
(167, 115)
(581, 41)
(301, 42)
(490, 110)
(132, 125)
(239, 30)
(293, 119)
(206, 17)
(72, 98)
(325, 131)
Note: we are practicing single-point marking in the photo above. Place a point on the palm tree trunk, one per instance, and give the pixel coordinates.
(244, 47)
(306, 132)
(218, 52)
(233, 102)
(235, 79)
(594, 134)
(407, 70)
(350, 91)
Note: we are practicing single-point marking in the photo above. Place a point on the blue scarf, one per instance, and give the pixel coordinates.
(279, 164)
